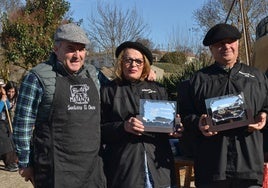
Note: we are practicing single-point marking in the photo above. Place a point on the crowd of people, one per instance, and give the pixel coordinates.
(73, 127)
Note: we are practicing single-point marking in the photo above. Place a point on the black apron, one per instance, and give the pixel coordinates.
(71, 159)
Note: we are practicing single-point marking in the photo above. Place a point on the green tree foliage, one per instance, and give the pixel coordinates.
(171, 82)
(27, 36)
(174, 57)
(6, 6)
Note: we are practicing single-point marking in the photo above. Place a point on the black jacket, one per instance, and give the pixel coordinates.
(234, 153)
(124, 152)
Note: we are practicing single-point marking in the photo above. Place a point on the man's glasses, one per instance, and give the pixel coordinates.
(128, 61)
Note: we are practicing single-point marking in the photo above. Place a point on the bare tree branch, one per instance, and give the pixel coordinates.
(216, 11)
(112, 26)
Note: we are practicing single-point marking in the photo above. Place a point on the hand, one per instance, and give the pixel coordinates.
(203, 126)
(3, 94)
(178, 127)
(260, 122)
(134, 126)
(27, 174)
(151, 76)
(4, 97)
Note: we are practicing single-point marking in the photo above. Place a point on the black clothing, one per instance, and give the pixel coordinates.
(232, 183)
(233, 153)
(7, 148)
(66, 147)
(6, 144)
(220, 32)
(184, 107)
(124, 152)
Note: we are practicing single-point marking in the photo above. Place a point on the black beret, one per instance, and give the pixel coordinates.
(220, 32)
(137, 46)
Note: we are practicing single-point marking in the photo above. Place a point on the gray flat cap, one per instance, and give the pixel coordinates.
(71, 32)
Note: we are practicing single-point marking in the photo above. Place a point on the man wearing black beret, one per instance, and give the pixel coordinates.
(230, 158)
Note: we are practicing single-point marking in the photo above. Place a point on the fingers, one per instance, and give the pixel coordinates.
(255, 126)
(204, 127)
(260, 122)
(27, 174)
(29, 178)
(205, 131)
(151, 76)
(134, 126)
(178, 127)
(32, 180)
(177, 133)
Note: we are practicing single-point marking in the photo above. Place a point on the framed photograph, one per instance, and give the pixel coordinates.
(158, 115)
(227, 112)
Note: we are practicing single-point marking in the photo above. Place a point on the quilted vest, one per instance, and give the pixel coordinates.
(47, 72)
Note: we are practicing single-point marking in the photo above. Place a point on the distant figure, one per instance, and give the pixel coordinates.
(12, 94)
(7, 150)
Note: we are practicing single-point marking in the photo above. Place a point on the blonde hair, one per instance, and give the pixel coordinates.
(119, 67)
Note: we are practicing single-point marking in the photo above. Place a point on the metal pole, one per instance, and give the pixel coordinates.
(244, 30)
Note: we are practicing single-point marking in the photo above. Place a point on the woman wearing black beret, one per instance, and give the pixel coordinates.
(133, 158)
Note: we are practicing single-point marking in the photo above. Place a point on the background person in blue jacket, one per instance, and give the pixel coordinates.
(7, 150)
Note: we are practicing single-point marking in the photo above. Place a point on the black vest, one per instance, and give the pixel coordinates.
(66, 143)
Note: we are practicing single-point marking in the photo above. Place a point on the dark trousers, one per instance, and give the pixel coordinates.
(9, 158)
(232, 183)
(7, 151)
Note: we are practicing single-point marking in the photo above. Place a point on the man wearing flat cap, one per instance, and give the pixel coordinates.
(59, 102)
(232, 157)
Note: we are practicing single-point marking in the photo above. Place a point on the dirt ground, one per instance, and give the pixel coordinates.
(12, 179)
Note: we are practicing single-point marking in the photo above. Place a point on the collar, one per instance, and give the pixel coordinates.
(225, 68)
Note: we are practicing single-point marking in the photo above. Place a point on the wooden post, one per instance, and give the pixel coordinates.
(244, 31)
(8, 118)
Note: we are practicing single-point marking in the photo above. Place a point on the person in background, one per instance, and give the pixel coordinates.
(7, 151)
(232, 158)
(58, 107)
(133, 158)
(12, 94)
